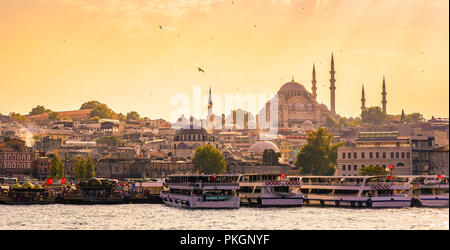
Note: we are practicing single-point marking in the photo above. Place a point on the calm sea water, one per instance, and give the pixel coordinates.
(158, 216)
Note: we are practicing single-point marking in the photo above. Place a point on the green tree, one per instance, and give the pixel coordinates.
(39, 110)
(271, 158)
(18, 117)
(372, 170)
(121, 117)
(103, 111)
(89, 168)
(78, 168)
(56, 168)
(53, 116)
(90, 105)
(414, 118)
(133, 116)
(373, 115)
(209, 160)
(319, 155)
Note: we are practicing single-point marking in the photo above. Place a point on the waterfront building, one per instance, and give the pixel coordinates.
(375, 149)
(439, 158)
(15, 158)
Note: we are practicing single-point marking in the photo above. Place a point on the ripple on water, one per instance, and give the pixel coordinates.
(158, 216)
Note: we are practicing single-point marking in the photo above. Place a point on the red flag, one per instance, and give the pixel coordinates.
(440, 176)
(63, 180)
(391, 167)
(390, 177)
(283, 175)
(49, 182)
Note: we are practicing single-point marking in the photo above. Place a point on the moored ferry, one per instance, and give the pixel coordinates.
(429, 191)
(26, 194)
(269, 190)
(201, 191)
(356, 191)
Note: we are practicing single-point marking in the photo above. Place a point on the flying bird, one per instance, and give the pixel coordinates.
(160, 27)
(200, 69)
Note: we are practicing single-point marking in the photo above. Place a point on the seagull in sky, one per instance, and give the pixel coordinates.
(200, 69)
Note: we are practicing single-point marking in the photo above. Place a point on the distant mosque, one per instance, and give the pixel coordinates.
(296, 106)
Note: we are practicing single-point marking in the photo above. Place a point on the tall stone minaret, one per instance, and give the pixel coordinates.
(363, 100)
(332, 87)
(210, 119)
(384, 101)
(314, 87)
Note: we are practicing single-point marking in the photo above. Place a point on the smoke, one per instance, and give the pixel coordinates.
(26, 135)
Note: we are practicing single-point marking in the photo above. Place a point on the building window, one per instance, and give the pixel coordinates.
(371, 155)
(355, 155)
(377, 155)
(392, 155)
(407, 155)
(397, 155)
(349, 155)
(384, 155)
(355, 168)
(343, 155)
(343, 167)
(403, 155)
(363, 155)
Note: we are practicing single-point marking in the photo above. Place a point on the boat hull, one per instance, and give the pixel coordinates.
(195, 203)
(433, 201)
(374, 202)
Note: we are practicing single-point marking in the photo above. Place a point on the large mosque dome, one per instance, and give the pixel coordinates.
(260, 146)
(292, 88)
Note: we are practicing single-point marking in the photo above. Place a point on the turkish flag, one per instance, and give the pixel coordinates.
(440, 176)
(282, 175)
(49, 182)
(63, 180)
(391, 167)
(390, 177)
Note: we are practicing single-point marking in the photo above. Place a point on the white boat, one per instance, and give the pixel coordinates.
(201, 191)
(269, 190)
(356, 191)
(429, 191)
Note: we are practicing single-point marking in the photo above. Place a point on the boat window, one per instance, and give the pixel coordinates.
(304, 190)
(321, 191)
(426, 191)
(346, 192)
(283, 189)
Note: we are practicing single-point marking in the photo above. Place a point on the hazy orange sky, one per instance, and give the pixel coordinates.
(61, 53)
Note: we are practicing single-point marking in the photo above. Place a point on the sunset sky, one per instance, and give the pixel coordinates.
(62, 53)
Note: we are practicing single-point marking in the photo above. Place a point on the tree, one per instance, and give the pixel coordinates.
(372, 170)
(271, 158)
(78, 170)
(89, 168)
(90, 105)
(319, 155)
(56, 168)
(121, 117)
(209, 160)
(18, 117)
(83, 168)
(53, 116)
(373, 115)
(133, 116)
(103, 112)
(414, 118)
(39, 110)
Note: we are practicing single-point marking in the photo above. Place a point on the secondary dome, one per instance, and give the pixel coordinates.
(260, 146)
(307, 124)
